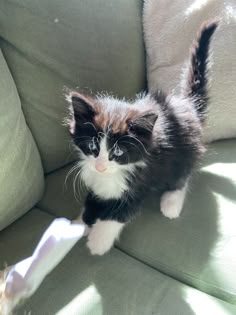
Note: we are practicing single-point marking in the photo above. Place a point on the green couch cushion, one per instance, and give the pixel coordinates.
(95, 46)
(199, 247)
(113, 284)
(59, 198)
(21, 173)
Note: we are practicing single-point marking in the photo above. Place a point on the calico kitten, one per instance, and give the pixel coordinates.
(127, 147)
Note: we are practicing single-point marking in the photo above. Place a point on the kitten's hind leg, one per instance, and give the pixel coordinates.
(172, 202)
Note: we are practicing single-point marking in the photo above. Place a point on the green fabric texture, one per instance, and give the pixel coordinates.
(60, 198)
(113, 284)
(21, 173)
(52, 44)
(199, 247)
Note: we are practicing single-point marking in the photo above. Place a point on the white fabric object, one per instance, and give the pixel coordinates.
(169, 29)
(26, 276)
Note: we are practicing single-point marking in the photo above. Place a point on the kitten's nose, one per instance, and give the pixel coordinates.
(100, 166)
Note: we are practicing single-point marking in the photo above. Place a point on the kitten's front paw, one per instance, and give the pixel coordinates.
(172, 203)
(98, 244)
(103, 235)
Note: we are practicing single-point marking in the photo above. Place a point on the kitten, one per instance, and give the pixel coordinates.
(127, 147)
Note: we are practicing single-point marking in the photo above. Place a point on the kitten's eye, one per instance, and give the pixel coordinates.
(93, 146)
(117, 151)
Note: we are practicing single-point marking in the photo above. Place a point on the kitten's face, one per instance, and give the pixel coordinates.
(111, 135)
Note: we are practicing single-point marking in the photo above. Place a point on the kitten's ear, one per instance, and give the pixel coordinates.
(143, 125)
(81, 110)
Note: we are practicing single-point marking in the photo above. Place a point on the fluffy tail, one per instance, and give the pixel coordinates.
(195, 78)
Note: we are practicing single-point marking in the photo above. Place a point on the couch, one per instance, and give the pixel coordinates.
(185, 266)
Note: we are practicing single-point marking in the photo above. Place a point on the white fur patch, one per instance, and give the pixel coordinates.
(111, 183)
(172, 202)
(103, 235)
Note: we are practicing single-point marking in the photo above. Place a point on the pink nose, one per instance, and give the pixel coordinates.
(100, 167)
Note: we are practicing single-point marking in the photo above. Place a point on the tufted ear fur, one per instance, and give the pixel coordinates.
(82, 110)
(143, 125)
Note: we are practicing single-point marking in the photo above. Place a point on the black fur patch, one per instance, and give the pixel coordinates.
(197, 71)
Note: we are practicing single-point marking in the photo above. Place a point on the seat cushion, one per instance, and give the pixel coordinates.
(113, 284)
(21, 173)
(94, 46)
(198, 248)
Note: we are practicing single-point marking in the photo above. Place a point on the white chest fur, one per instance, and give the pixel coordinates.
(108, 185)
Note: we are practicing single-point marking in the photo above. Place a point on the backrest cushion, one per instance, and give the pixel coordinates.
(21, 172)
(170, 28)
(93, 45)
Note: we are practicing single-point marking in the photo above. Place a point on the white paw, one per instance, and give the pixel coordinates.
(98, 246)
(172, 203)
(102, 236)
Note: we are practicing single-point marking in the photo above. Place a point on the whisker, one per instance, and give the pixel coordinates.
(72, 150)
(74, 168)
(124, 136)
(90, 123)
(138, 142)
(135, 147)
(77, 186)
(84, 141)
